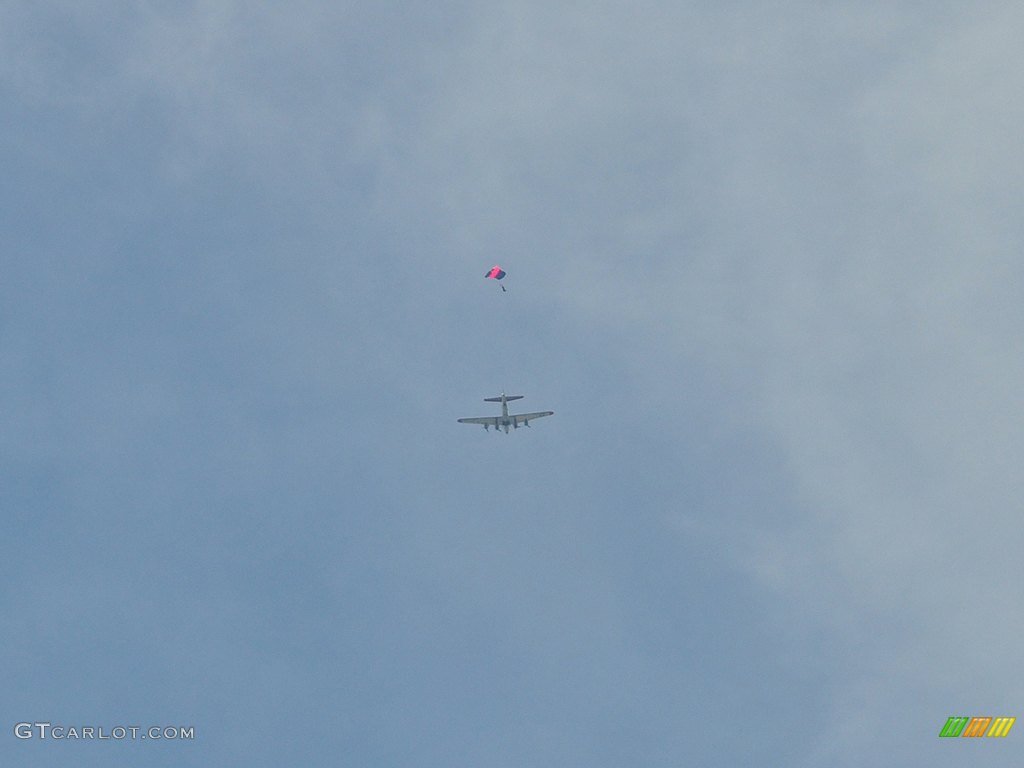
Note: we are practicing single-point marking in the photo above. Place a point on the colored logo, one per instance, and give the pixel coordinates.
(977, 726)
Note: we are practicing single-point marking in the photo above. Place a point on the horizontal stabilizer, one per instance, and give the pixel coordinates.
(498, 399)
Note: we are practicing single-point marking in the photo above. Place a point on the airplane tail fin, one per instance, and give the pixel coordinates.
(507, 398)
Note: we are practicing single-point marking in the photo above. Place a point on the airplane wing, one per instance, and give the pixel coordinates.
(516, 419)
(522, 418)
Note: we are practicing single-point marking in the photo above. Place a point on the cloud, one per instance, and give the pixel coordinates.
(817, 211)
(762, 265)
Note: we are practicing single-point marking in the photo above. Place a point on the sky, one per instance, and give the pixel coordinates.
(763, 263)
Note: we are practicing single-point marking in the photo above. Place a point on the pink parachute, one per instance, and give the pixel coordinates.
(496, 273)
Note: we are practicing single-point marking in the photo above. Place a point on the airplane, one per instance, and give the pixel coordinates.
(506, 419)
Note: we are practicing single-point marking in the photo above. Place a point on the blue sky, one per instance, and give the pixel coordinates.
(763, 263)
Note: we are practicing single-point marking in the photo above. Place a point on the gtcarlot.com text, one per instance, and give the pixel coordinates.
(58, 731)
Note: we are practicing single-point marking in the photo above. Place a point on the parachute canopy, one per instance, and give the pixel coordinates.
(496, 273)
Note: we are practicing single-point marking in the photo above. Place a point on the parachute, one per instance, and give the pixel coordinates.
(496, 273)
